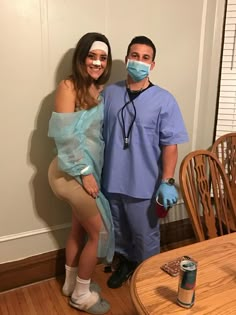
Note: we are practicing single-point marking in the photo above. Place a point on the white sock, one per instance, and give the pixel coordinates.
(70, 280)
(81, 292)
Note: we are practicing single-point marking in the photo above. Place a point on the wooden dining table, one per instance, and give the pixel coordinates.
(154, 292)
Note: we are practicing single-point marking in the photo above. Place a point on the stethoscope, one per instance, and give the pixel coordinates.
(127, 134)
(132, 97)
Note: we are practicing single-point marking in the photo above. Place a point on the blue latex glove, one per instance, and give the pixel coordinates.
(167, 195)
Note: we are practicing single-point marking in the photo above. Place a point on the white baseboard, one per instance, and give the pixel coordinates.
(18, 246)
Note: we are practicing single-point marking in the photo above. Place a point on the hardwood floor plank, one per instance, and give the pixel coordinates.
(28, 305)
(35, 293)
(3, 306)
(60, 302)
(12, 304)
(24, 306)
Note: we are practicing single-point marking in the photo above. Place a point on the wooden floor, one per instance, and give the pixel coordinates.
(45, 298)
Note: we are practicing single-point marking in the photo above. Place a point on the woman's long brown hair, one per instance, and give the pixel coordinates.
(80, 78)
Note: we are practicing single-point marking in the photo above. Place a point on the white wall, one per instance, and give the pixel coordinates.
(37, 37)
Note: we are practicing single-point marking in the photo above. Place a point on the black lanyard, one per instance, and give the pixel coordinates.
(126, 135)
(132, 97)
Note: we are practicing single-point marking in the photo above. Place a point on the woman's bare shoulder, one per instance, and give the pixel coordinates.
(66, 84)
(65, 97)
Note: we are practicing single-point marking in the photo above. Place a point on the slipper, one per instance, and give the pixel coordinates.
(100, 307)
(93, 287)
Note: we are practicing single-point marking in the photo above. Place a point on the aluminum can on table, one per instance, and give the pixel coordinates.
(187, 283)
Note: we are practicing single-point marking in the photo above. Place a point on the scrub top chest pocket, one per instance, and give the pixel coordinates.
(143, 131)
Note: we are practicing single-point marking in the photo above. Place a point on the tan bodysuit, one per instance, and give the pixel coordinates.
(65, 187)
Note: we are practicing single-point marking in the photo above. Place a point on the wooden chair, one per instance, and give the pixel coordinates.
(207, 195)
(225, 149)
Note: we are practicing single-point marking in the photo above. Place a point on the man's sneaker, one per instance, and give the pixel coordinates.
(121, 274)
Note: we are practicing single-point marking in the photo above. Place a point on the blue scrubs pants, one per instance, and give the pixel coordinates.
(137, 233)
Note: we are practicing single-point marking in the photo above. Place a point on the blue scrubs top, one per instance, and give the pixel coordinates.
(136, 171)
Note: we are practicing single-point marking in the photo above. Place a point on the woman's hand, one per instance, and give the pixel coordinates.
(90, 185)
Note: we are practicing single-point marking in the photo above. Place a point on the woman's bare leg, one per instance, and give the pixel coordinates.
(88, 258)
(82, 296)
(74, 246)
(75, 242)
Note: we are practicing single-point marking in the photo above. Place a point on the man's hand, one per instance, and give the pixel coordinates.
(90, 185)
(167, 194)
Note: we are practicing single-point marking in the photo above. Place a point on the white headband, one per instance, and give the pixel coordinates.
(99, 45)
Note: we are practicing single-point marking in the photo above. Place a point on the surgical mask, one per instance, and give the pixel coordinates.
(138, 70)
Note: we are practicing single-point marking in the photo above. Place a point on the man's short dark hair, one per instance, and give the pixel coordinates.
(144, 41)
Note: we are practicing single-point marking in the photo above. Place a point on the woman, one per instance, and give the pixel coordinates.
(74, 175)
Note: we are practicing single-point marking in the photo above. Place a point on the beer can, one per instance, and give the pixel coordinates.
(187, 282)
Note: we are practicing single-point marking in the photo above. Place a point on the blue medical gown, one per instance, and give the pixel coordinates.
(80, 147)
(137, 171)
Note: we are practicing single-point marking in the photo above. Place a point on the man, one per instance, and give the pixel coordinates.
(142, 127)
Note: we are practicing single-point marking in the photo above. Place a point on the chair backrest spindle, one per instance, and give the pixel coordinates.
(207, 195)
(225, 149)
